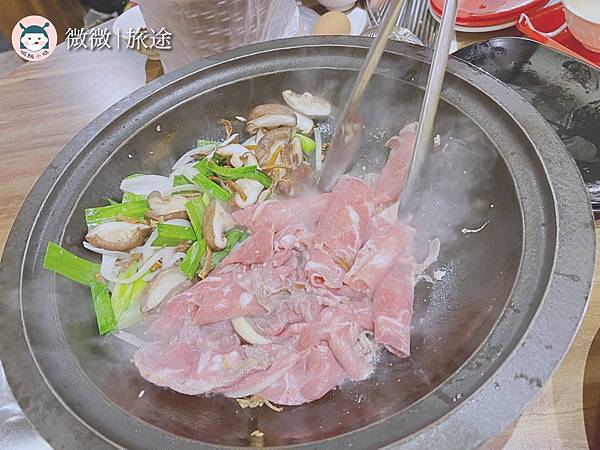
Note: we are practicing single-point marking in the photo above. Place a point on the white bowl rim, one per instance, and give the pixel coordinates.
(573, 10)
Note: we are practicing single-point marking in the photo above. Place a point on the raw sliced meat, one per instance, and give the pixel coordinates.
(280, 214)
(193, 372)
(310, 379)
(342, 226)
(318, 278)
(258, 248)
(377, 256)
(282, 360)
(393, 176)
(323, 270)
(383, 219)
(340, 233)
(337, 325)
(392, 307)
(220, 297)
(175, 324)
(218, 337)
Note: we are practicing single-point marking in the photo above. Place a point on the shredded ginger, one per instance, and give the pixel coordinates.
(255, 401)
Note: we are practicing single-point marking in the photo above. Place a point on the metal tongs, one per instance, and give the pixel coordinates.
(348, 134)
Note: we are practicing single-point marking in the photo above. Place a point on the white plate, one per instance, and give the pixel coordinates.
(486, 29)
(358, 20)
(131, 19)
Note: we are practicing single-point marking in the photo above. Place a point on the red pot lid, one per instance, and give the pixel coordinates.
(481, 13)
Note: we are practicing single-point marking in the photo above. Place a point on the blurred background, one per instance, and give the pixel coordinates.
(63, 14)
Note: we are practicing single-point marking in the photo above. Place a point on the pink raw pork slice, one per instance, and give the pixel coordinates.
(377, 257)
(258, 248)
(282, 359)
(393, 176)
(184, 370)
(310, 379)
(220, 297)
(393, 307)
(338, 327)
(340, 232)
(280, 214)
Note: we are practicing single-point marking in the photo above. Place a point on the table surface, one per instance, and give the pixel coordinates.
(43, 105)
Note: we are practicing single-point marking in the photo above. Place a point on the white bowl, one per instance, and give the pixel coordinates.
(337, 5)
(583, 20)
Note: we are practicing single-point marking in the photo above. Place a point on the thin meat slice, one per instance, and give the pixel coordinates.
(342, 227)
(219, 337)
(282, 360)
(171, 318)
(338, 326)
(220, 297)
(393, 307)
(393, 176)
(280, 214)
(383, 219)
(175, 324)
(294, 307)
(310, 379)
(191, 372)
(340, 233)
(322, 270)
(362, 311)
(377, 256)
(258, 248)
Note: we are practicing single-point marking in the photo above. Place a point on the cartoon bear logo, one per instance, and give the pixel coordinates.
(34, 38)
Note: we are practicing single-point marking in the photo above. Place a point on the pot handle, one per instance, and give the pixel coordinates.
(552, 34)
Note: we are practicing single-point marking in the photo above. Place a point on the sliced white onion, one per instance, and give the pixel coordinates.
(151, 275)
(250, 141)
(318, 161)
(180, 222)
(251, 188)
(147, 250)
(167, 284)
(101, 251)
(185, 158)
(129, 338)
(189, 172)
(229, 140)
(107, 268)
(145, 184)
(168, 261)
(188, 156)
(247, 332)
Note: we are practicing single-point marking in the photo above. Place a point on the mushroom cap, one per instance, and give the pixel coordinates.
(270, 116)
(307, 104)
(292, 153)
(118, 236)
(167, 207)
(296, 182)
(304, 124)
(213, 227)
(270, 142)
